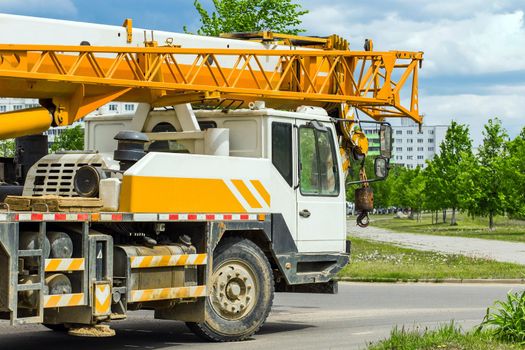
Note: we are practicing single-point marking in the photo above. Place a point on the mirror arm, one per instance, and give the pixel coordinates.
(357, 182)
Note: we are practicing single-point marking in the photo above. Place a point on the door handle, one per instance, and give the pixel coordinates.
(305, 213)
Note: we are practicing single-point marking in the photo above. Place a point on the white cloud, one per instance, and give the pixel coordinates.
(461, 9)
(483, 43)
(468, 40)
(476, 110)
(39, 7)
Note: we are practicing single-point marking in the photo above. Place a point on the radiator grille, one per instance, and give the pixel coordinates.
(54, 174)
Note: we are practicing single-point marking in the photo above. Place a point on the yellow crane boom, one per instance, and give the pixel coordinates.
(72, 81)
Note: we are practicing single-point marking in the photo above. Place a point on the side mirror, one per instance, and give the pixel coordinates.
(381, 167)
(385, 136)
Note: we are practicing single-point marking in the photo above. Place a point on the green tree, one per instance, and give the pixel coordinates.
(455, 148)
(471, 191)
(71, 139)
(487, 175)
(7, 148)
(230, 16)
(515, 176)
(434, 188)
(400, 185)
(415, 192)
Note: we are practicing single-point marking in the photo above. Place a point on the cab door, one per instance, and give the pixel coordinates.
(321, 219)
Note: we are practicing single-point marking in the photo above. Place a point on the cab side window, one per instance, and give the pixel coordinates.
(318, 170)
(282, 150)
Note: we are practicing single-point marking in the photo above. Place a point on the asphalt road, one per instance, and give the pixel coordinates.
(513, 252)
(358, 314)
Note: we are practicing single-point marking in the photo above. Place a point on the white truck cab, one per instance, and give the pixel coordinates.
(306, 157)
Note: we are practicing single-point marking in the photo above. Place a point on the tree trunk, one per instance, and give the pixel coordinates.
(444, 215)
(437, 216)
(453, 218)
(491, 221)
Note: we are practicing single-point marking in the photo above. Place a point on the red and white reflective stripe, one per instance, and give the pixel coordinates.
(207, 217)
(141, 262)
(51, 217)
(66, 217)
(145, 217)
(64, 300)
(111, 217)
(30, 217)
(120, 217)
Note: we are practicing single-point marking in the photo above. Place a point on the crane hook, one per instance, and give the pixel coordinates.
(362, 219)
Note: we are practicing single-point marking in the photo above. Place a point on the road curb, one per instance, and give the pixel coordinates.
(447, 280)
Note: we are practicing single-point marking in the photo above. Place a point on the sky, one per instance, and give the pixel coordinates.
(474, 67)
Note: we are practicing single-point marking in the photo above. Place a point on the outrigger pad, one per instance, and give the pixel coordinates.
(98, 331)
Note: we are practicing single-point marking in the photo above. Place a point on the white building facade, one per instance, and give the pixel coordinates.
(413, 146)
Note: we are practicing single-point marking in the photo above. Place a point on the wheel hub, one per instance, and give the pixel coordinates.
(233, 290)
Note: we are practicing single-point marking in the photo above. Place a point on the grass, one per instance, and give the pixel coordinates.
(506, 229)
(446, 337)
(374, 261)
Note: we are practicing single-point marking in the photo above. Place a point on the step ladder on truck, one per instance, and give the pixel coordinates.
(225, 185)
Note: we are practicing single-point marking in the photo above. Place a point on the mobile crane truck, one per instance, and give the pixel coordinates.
(227, 183)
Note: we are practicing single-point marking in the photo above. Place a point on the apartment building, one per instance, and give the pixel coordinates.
(412, 146)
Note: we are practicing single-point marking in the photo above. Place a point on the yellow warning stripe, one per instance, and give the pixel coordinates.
(167, 293)
(55, 265)
(141, 262)
(262, 191)
(102, 299)
(246, 193)
(64, 300)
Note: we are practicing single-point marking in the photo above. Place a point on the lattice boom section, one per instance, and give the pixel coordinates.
(371, 81)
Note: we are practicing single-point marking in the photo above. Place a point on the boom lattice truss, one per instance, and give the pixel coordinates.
(72, 81)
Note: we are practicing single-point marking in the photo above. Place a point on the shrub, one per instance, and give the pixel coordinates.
(506, 319)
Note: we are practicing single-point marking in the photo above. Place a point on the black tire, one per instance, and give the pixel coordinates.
(217, 328)
(61, 328)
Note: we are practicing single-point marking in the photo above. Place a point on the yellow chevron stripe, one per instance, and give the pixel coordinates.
(56, 265)
(102, 299)
(77, 299)
(141, 262)
(167, 293)
(52, 301)
(52, 264)
(64, 300)
(246, 193)
(262, 191)
(201, 259)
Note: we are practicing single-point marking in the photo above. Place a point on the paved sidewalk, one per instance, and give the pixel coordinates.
(473, 247)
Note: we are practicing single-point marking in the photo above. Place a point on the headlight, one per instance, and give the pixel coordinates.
(86, 182)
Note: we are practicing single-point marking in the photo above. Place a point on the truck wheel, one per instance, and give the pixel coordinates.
(241, 292)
